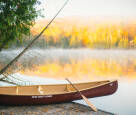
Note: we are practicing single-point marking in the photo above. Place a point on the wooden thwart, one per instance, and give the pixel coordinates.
(17, 90)
(40, 89)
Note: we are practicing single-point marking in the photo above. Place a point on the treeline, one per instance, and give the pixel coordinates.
(63, 35)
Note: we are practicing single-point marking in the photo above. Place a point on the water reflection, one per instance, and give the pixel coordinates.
(82, 63)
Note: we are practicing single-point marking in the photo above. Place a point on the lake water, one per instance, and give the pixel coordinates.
(122, 102)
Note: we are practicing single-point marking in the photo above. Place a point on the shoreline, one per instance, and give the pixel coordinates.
(52, 109)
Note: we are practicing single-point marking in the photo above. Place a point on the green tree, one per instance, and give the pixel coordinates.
(16, 19)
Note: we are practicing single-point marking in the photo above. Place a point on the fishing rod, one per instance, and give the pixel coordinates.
(15, 80)
(30, 44)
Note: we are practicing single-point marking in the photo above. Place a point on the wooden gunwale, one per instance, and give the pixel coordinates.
(66, 92)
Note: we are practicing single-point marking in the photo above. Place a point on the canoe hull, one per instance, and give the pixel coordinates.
(103, 90)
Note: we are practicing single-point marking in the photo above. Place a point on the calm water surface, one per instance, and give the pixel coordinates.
(123, 102)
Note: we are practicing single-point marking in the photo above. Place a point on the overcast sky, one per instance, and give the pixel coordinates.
(118, 8)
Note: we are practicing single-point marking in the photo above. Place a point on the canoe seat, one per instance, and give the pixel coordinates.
(16, 90)
(40, 89)
(69, 88)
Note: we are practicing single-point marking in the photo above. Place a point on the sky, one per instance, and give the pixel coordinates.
(94, 8)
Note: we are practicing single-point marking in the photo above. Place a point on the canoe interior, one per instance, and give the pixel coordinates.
(49, 89)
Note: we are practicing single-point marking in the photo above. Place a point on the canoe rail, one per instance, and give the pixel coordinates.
(51, 89)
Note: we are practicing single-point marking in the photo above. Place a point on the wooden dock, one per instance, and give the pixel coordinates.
(53, 109)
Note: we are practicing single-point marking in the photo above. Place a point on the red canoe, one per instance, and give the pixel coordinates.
(49, 94)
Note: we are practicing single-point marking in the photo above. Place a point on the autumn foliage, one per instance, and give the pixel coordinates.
(68, 34)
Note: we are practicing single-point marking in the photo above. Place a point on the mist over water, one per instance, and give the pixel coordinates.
(38, 56)
(74, 63)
